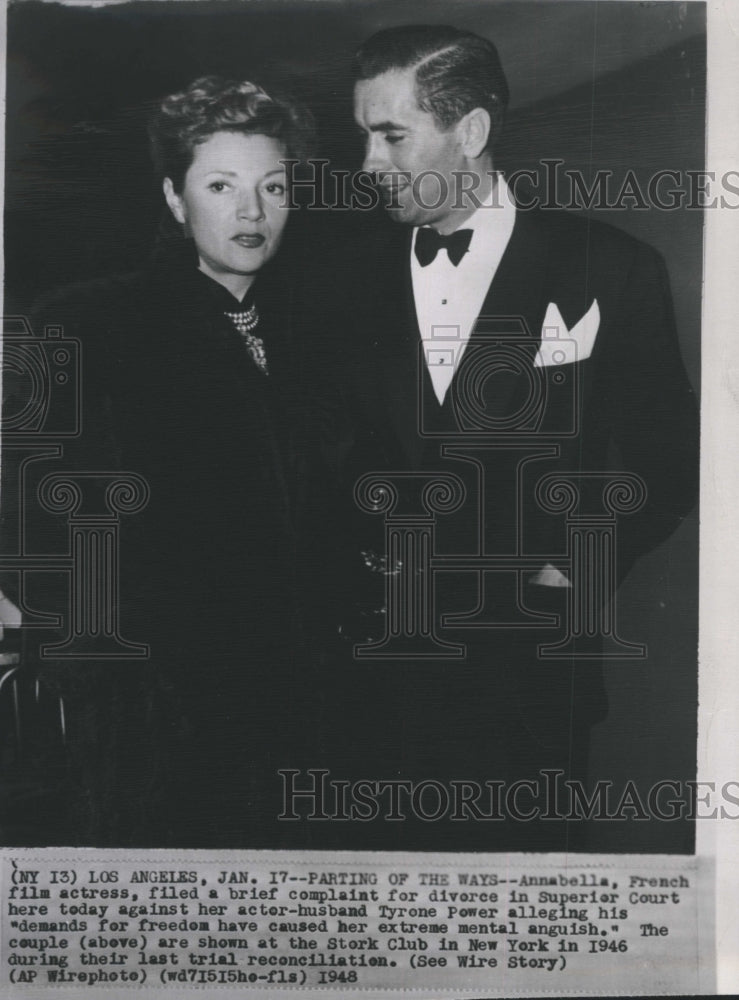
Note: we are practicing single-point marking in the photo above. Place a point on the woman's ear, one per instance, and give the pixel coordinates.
(174, 201)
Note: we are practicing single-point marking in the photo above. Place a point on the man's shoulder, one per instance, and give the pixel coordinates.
(580, 248)
(364, 253)
(359, 237)
(371, 242)
(579, 227)
(348, 258)
(580, 235)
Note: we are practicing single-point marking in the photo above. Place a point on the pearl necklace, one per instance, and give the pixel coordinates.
(245, 322)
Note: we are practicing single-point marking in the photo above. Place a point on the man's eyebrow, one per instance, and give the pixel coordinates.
(387, 127)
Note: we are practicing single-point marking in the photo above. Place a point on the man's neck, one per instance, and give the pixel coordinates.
(469, 200)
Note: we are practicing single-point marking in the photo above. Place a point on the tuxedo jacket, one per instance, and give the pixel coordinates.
(509, 425)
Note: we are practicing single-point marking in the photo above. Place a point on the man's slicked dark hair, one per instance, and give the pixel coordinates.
(456, 71)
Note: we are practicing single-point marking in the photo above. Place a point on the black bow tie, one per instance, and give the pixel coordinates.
(429, 242)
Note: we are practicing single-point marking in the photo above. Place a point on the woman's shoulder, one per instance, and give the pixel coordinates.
(95, 301)
(120, 311)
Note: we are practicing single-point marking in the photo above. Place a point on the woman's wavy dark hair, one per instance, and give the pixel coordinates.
(212, 104)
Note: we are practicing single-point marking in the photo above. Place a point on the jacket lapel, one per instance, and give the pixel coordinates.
(512, 316)
(517, 290)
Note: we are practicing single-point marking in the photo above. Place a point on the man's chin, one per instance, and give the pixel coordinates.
(402, 213)
(397, 214)
(396, 203)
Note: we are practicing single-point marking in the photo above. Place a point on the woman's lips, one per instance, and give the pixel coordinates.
(249, 240)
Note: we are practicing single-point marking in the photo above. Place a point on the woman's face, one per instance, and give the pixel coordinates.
(234, 203)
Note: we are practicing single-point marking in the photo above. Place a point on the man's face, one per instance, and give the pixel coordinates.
(404, 146)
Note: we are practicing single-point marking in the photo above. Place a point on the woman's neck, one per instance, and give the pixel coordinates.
(237, 284)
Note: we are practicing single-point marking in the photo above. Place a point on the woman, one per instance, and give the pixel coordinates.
(223, 365)
(193, 380)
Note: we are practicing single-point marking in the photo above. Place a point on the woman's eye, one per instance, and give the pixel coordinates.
(217, 186)
(275, 188)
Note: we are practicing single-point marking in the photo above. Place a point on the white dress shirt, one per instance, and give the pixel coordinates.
(449, 299)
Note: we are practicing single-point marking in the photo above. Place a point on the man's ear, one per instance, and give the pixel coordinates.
(474, 132)
(174, 201)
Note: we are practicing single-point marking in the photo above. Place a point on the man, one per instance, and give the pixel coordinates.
(511, 349)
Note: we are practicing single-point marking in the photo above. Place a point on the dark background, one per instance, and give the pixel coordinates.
(616, 85)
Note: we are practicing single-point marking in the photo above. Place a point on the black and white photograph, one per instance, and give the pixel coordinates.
(351, 421)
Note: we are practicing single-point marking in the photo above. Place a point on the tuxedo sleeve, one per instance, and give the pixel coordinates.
(653, 408)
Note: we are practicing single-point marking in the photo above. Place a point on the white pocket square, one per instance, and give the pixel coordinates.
(560, 346)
